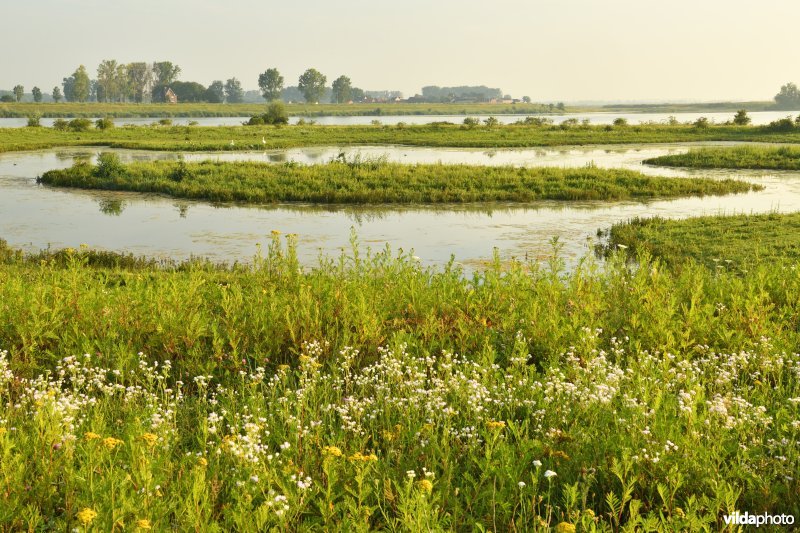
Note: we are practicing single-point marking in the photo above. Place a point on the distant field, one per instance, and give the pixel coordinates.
(753, 157)
(378, 182)
(703, 107)
(238, 138)
(71, 109)
(736, 241)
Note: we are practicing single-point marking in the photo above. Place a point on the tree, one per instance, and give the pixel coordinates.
(165, 74)
(788, 97)
(357, 95)
(526, 99)
(57, 94)
(741, 118)
(312, 85)
(107, 80)
(77, 86)
(37, 94)
(140, 78)
(188, 91)
(233, 91)
(271, 84)
(19, 92)
(215, 92)
(342, 89)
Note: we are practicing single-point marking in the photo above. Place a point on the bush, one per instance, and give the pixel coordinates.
(470, 122)
(784, 124)
(701, 123)
(491, 122)
(108, 166)
(80, 124)
(34, 120)
(569, 123)
(741, 118)
(276, 115)
(165, 122)
(105, 123)
(621, 122)
(60, 124)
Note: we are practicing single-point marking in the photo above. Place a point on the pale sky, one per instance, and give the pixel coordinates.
(562, 50)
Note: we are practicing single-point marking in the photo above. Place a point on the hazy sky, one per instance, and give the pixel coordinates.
(548, 49)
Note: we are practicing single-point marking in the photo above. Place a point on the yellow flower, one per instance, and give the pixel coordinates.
(565, 527)
(361, 458)
(150, 439)
(3, 431)
(86, 516)
(425, 485)
(679, 512)
(332, 450)
(495, 425)
(144, 523)
(589, 513)
(202, 461)
(89, 435)
(110, 443)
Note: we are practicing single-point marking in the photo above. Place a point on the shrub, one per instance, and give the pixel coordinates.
(34, 120)
(60, 124)
(784, 124)
(165, 122)
(701, 123)
(741, 118)
(105, 123)
(470, 122)
(79, 124)
(621, 122)
(276, 114)
(491, 122)
(108, 166)
(569, 123)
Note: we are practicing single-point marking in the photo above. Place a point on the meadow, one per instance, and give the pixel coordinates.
(370, 393)
(740, 157)
(358, 181)
(722, 241)
(222, 138)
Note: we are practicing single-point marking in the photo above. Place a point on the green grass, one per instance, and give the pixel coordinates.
(187, 138)
(740, 157)
(733, 241)
(270, 396)
(93, 109)
(377, 182)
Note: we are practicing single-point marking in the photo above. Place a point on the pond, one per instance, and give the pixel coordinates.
(34, 217)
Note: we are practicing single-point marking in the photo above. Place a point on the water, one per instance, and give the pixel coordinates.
(758, 117)
(35, 217)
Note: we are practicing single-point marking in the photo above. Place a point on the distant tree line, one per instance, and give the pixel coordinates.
(464, 93)
(788, 97)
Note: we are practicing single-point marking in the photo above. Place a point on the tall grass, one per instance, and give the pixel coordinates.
(371, 393)
(377, 182)
(755, 157)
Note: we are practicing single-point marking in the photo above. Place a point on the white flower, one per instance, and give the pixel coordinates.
(537, 463)
(285, 446)
(254, 478)
(549, 473)
(521, 484)
(411, 474)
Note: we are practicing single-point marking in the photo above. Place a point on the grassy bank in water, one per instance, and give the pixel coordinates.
(736, 241)
(370, 393)
(740, 157)
(376, 182)
(238, 138)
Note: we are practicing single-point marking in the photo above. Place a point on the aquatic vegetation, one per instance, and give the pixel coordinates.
(377, 182)
(723, 241)
(755, 157)
(372, 393)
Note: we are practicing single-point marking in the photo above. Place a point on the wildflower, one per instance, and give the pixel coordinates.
(537, 463)
(144, 523)
(549, 473)
(110, 443)
(254, 478)
(86, 516)
(202, 461)
(565, 527)
(150, 439)
(89, 435)
(3, 431)
(360, 457)
(521, 484)
(411, 474)
(425, 485)
(332, 450)
(285, 446)
(589, 513)
(495, 424)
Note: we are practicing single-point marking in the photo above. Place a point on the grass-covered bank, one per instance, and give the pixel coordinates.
(377, 182)
(740, 157)
(127, 110)
(371, 393)
(729, 241)
(224, 138)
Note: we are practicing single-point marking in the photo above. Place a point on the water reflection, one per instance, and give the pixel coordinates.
(111, 206)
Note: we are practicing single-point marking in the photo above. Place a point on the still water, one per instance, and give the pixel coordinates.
(35, 217)
(759, 117)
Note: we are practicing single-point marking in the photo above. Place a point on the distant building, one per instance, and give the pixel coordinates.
(170, 97)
